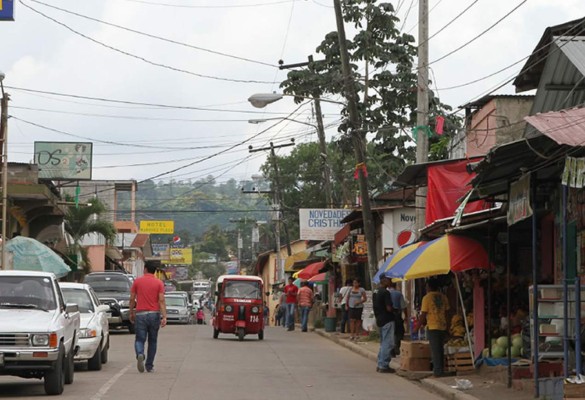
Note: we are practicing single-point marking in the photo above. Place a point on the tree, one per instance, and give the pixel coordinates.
(83, 220)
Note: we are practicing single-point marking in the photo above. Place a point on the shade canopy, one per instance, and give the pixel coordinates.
(439, 256)
(297, 282)
(31, 255)
(311, 270)
(393, 259)
(323, 277)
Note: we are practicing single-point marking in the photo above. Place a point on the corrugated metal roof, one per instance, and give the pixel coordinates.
(564, 127)
(574, 49)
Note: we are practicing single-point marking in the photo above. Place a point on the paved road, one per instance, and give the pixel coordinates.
(192, 365)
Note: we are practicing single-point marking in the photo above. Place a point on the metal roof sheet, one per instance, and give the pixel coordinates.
(574, 49)
(564, 127)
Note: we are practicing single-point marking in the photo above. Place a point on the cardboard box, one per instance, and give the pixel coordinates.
(415, 349)
(415, 364)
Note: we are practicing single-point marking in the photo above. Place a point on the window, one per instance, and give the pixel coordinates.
(79, 297)
(27, 292)
(242, 289)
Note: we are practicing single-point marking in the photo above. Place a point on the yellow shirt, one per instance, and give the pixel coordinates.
(435, 304)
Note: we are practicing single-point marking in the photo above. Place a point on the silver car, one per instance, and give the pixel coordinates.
(177, 308)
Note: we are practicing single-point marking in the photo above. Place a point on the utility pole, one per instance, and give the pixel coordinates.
(277, 206)
(359, 143)
(320, 133)
(422, 107)
(4, 156)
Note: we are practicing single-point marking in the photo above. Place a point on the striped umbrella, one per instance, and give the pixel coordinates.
(394, 258)
(323, 277)
(439, 256)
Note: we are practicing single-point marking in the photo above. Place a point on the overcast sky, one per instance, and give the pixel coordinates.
(45, 55)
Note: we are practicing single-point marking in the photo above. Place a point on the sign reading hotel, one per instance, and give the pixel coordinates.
(157, 227)
(320, 223)
(64, 160)
(6, 10)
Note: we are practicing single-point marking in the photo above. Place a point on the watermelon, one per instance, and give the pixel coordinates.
(502, 341)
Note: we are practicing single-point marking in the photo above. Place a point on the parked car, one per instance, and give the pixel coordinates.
(38, 330)
(94, 333)
(177, 308)
(113, 289)
(182, 293)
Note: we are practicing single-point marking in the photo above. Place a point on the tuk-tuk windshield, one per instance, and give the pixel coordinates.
(242, 289)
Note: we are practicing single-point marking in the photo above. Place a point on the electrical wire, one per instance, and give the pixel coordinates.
(137, 57)
(450, 22)
(152, 36)
(428, 13)
(154, 3)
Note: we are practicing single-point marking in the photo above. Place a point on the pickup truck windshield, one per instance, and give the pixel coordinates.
(79, 297)
(108, 283)
(175, 301)
(27, 292)
(242, 289)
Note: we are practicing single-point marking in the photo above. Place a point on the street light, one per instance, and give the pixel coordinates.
(261, 121)
(261, 100)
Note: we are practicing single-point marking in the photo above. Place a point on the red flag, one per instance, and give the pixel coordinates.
(439, 123)
(360, 167)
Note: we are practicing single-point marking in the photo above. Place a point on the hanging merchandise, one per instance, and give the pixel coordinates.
(360, 167)
(439, 125)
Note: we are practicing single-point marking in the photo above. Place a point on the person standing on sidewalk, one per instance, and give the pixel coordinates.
(384, 313)
(434, 315)
(291, 292)
(306, 299)
(355, 306)
(343, 292)
(148, 313)
(399, 306)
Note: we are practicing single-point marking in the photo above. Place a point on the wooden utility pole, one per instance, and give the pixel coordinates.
(359, 143)
(422, 106)
(4, 165)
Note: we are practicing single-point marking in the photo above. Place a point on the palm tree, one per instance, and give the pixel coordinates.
(81, 220)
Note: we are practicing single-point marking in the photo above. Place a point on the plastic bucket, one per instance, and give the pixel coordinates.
(330, 324)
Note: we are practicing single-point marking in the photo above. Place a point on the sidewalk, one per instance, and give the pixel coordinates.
(483, 389)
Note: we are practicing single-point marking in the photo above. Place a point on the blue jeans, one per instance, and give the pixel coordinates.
(290, 315)
(386, 345)
(147, 326)
(304, 317)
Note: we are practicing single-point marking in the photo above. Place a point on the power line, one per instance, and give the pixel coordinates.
(141, 58)
(478, 36)
(154, 3)
(450, 22)
(152, 36)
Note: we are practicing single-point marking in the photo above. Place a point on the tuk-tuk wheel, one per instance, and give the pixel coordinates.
(261, 335)
(241, 333)
(215, 333)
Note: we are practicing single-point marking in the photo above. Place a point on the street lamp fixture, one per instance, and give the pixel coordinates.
(261, 121)
(261, 100)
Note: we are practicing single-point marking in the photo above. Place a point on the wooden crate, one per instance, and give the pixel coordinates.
(460, 362)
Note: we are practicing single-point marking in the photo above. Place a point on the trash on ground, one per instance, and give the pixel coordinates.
(462, 384)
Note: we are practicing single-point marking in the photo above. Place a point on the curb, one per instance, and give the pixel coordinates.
(429, 384)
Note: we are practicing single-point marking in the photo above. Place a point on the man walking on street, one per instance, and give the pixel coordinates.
(434, 315)
(291, 292)
(385, 321)
(148, 313)
(306, 299)
(399, 306)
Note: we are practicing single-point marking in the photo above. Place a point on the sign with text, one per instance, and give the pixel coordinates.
(519, 207)
(161, 250)
(64, 160)
(157, 227)
(320, 223)
(6, 10)
(180, 257)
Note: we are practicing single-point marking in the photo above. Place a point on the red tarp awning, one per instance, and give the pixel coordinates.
(311, 270)
(564, 127)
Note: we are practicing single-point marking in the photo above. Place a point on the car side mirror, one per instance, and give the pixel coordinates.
(103, 308)
(71, 308)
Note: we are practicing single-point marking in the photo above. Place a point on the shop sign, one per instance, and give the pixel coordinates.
(6, 10)
(157, 227)
(160, 250)
(64, 160)
(320, 223)
(519, 206)
(180, 256)
(574, 172)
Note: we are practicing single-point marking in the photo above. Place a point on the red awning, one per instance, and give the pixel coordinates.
(564, 127)
(311, 270)
(322, 277)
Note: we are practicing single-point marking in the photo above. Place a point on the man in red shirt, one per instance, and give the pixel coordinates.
(148, 312)
(290, 292)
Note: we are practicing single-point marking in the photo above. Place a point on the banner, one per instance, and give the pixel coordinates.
(320, 223)
(6, 10)
(519, 206)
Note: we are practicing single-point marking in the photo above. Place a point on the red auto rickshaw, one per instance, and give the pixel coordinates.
(239, 306)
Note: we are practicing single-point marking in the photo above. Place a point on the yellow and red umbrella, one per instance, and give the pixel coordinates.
(311, 270)
(396, 257)
(439, 256)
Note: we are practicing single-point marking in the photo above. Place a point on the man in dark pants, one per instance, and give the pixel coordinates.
(148, 312)
(382, 302)
(434, 315)
(399, 306)
(343, 292)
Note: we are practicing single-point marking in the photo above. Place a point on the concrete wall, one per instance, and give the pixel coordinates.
(481, 132)
(512, 110)
(97, 257)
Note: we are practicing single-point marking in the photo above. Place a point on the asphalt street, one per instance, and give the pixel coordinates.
(192, 365)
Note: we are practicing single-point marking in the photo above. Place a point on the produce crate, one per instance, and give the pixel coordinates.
(460, 363)
(415, 364)
(415, 349)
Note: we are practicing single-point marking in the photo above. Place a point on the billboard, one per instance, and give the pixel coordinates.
(64, 160)
(157, 227)
(320, 223)
(6, 10)
(160, 250)
(180, 257)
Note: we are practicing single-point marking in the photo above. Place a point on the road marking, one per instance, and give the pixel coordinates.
(104, 389)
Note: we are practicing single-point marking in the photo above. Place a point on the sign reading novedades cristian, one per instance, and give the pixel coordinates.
(6, 10)
(320, 223)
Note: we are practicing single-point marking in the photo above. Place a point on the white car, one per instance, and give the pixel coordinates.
(94, 334)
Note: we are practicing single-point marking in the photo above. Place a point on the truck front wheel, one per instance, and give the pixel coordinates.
(55, 379)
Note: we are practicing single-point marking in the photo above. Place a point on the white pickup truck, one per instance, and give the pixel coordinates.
(38, 331)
